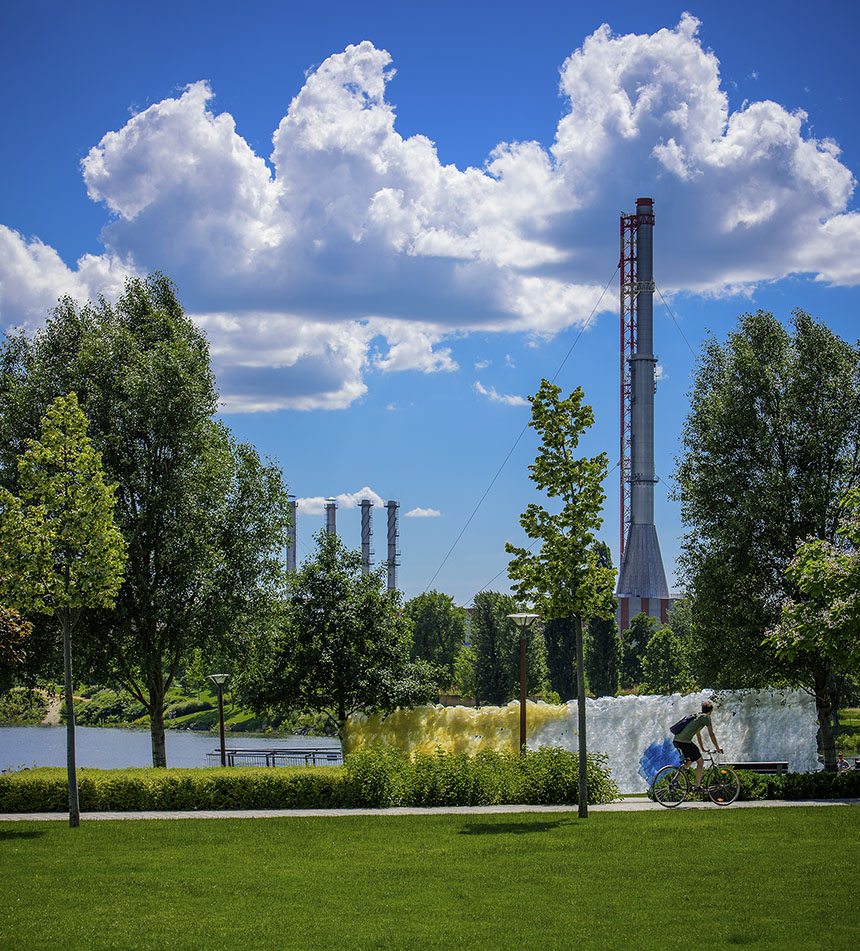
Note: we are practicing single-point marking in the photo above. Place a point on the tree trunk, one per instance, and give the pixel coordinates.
(71, 762)
(823, 708)
(156, 719)
(580, 705)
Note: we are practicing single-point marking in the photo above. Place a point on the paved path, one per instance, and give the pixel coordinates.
(637, 804)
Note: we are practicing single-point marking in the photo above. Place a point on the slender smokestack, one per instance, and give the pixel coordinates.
(393, 553)
(366, 533)
(642, 575)
(331, 516)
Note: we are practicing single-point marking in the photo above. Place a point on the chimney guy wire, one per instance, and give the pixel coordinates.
(520, 436)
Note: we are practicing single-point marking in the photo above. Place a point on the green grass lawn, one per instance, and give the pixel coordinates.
(778, 878)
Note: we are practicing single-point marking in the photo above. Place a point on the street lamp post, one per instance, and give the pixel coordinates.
(523, 621)
(219, 680)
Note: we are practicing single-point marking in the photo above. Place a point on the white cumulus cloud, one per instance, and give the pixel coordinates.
(495, 397)
(355, 251)
(423, 513)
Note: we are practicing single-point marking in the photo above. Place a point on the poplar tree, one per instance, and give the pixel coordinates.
(770, 447)
(60, 550)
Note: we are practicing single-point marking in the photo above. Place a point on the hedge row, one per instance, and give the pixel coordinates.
(792, 786)
(371, 778)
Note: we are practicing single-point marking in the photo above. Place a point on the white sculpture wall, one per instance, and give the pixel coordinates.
(632, 731)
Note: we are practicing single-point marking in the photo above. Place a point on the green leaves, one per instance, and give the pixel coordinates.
(824, 619)
(204, 517)
(59, 546)
(343, 645)
(563, 578)
(769, 447)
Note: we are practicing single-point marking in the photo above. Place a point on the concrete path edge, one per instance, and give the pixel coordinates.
(638, 804)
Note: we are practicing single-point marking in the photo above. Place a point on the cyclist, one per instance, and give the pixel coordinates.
(687, 748)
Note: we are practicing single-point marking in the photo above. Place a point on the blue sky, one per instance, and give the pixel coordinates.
(392, 220)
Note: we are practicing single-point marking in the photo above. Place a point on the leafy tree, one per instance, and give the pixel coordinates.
(602, 658)
(559, 635)
(819, 631)
(634, 643)
(769, 448)
(496, 642)
(194, 674)
(342, 645)
(464, 671)
(563, 579)
(665, 664)
(439, 628)
(15, 632)
(60, 551)
(203, 516)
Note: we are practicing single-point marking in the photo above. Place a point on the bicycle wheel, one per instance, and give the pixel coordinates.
(723, 785)
(670, 786)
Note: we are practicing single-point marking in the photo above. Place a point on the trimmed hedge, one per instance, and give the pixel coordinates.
(792, 786)
(126, 790)
(371, 778)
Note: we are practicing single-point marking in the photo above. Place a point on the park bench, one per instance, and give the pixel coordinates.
(288, 756)
(768, 769)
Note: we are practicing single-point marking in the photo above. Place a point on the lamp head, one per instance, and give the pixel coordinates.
(523, 619)
(219, 679)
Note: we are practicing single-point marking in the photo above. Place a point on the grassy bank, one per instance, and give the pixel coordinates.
(757, 879)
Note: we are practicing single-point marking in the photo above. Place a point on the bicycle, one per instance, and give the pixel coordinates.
(672, 785)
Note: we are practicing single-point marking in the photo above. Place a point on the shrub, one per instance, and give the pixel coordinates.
(386, 777)
(23, 705)
(792, 786)
(370, 778)
(183, 709)
(124, 790)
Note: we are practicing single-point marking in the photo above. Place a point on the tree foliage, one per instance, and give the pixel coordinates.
(438, 628)
(634, 643)
(770, 446)
(665, 664)
(60, 550)
(342, 644)
(203, 515)
(15, 632)
(563, 579)
(495, 640)
(559, 635)
(602, 645)
(819, 630)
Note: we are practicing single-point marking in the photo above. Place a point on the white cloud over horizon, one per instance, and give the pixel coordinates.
(354, 251)
(495, 397)
(423, 513)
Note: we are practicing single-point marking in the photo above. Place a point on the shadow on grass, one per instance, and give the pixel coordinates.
(506, 828)
(7, 834)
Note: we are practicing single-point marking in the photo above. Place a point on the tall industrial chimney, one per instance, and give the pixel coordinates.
(366, 533)
(641, 578)
(393, 553)
(331, 516)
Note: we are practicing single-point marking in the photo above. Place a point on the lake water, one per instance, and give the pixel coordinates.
(110, 748)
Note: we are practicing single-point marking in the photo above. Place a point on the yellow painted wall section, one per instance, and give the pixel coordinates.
(454, 729)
